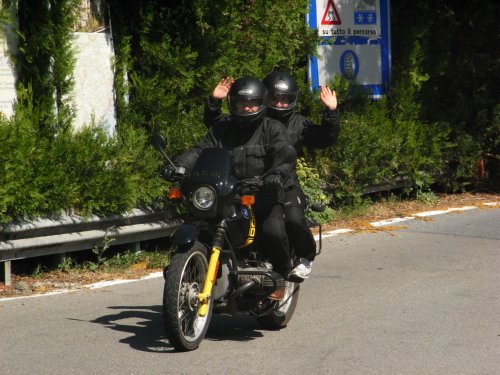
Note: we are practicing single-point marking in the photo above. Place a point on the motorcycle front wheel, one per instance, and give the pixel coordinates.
(184, 279)
(283, 311)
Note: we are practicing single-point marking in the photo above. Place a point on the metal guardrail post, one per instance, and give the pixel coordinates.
(7, 272)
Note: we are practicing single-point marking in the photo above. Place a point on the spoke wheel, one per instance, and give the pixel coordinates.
(184, 279)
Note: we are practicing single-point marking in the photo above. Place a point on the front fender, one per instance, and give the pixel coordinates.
(185, 235)
(183, 239)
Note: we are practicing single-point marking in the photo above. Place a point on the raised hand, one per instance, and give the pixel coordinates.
(328, 97)
(222, 88)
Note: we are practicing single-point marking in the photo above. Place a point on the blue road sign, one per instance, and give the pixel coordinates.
(355, 42)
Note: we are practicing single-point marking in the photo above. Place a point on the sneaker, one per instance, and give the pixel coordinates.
(302, 270)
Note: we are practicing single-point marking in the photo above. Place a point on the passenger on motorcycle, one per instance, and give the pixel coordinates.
(283, 95)
(254, 141)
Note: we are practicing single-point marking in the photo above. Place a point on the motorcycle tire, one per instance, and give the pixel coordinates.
(184, 279)
(279, 317)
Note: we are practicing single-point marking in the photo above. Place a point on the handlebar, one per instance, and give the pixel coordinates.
(250, 185)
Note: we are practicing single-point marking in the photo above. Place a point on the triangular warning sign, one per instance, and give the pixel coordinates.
(331, 16)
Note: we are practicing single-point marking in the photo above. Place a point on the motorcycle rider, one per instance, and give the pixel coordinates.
(283, 95)
(254, 141)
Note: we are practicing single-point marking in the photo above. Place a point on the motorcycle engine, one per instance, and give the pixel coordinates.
(264, 278)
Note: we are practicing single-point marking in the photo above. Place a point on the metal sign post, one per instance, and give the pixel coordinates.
(355, 42)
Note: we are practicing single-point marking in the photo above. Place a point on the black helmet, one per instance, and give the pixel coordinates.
(281, 88)
(247, 92)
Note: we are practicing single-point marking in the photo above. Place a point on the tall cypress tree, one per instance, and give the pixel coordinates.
(45, 60)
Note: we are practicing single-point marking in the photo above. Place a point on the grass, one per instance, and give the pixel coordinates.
(119, 262)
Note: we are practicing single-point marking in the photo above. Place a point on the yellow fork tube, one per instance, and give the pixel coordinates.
(204, 297)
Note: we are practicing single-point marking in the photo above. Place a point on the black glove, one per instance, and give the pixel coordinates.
(274, 180)
(167, 172)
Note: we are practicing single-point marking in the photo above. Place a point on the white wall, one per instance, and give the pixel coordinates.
(93, 92)
(8, 44)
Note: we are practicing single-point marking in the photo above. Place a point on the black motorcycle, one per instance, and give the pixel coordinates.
(217, 263)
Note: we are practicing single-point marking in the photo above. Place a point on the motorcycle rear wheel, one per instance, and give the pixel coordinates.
(184, 279)
(279, 317)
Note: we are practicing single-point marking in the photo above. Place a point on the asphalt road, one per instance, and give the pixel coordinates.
(420, 300)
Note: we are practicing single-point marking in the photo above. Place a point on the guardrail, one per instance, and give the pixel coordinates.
(69, 233)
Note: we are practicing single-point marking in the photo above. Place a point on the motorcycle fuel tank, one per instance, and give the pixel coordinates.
(240, 223)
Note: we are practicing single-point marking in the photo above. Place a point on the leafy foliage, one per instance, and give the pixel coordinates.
(45, 60)
(86, 171)
(313, 187)
(440, 116)
(462, 69)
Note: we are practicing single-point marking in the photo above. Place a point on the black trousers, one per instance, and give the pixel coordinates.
(273, 236)
(300, 237)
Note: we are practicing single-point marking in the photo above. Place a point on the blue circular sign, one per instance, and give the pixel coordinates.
(349, 64)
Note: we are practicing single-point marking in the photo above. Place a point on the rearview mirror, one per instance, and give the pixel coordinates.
(158, 142)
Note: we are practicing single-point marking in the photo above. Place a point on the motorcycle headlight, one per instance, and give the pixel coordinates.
(204, 198)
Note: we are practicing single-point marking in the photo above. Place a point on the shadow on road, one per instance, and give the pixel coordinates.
(233, 328)
(144, 323)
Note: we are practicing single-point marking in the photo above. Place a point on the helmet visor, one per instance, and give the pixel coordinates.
(246, 106)
(282, 101)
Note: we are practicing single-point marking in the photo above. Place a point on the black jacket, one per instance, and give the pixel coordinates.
(304, 133)
(253, 148)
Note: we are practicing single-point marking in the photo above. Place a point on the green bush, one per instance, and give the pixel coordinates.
(86, 171)
(381, 143)
(313, 186)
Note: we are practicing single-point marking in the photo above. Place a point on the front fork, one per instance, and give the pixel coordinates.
(213, 267)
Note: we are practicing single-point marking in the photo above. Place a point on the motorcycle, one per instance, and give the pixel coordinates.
(218, 264)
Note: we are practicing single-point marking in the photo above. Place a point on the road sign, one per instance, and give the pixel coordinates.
(331, 16)
(355, 42)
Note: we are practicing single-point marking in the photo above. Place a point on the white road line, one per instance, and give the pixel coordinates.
(332, 233)
(441, 212)
(97, 285)
(391, 221)
(103, 284)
